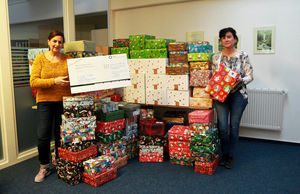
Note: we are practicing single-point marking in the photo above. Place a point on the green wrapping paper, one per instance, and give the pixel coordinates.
(108, 138)
(203, 157)
(120, 43)
(138, 54)
(183, 162)
(110, 116)
(120, 50)
(199, 56)
(211, 137)
(157, 43)
(137, 42)
(81, 54)
(209, 148)
(156, 53)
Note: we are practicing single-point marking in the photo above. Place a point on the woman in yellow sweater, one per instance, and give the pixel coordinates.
(50, 76)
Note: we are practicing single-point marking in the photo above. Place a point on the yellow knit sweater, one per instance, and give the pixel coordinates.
(42, 77)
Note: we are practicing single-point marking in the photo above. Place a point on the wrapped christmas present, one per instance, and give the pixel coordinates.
(179, 153)
(180, 133)
(115, 98)
(177, 69)
(77, 156)
(78, 106)
(130, 109)
(78, 123)
(121, 162)
(177, 82)
(199, 92)
(174, 117)
(151, 157)
(152, 127)
(101, 178)
(109, 127)
(203, 157)
(178, 57)
(156, 97)
(131, 146)
(204, 128)
(137, 42)
(75, 147)
(120, 43)
(157, 43)
(108, 138)
(156, 53)
(70, 172)
(177, 46)
(221, 82)
(151, 149)
(81, 45)
(147, 113)
(138, 54)
(107, 149)
(131, 129)
(199, 78)
(120, 50)
(77, 135)
(156, 65)
(204, 103)
(205, 137)
(207, 167)
(201, 116)
(199, 56)
(106, 107)
(98, 165)
(103, 50)
(150, 140)
(82, 54)
(199, 47)
(200, 65)
(178, 97)
(182, 162)
(207, 148)
(110, 116)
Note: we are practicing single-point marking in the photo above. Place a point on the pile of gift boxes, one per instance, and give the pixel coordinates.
(100, 134)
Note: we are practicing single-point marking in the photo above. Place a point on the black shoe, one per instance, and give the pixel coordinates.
(229, 163)
(223, 160)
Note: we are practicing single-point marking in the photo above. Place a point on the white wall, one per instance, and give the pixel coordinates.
(279, 70)
(36, 10)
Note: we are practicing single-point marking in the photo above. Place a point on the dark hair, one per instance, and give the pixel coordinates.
(223, 32)
(56, 33)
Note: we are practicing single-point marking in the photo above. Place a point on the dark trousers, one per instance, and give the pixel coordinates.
(49, 114)
(232, 108)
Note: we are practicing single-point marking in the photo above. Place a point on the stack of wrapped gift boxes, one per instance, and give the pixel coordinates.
(99, 170)
(205, 144)
(199, 60)
(120, 46)
(130, 137)
(151, 140)
(137, 46)
(81, 48)
(179, 145)
(178, 63)
(157, 48)
(77, 132)
(110, 129)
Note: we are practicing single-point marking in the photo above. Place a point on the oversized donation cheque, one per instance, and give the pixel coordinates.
(221, 82)
(98, 73)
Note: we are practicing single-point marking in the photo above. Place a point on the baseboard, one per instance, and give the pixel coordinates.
(269, 140)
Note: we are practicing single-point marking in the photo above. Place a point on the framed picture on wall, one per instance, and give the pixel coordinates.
(219, 47)
(195, 36)
(264, 40)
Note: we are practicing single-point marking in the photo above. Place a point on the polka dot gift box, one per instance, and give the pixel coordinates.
(221, 82)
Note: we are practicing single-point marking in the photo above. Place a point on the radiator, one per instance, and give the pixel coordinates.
(264, 109)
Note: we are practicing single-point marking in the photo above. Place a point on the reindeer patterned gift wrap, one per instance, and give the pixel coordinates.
(156, 97)
(156, 66)
(156, 82)
(178, 98)
(221, 82)
(137, 66)
(177, 82)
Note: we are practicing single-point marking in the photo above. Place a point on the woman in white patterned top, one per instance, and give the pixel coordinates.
(237, 100)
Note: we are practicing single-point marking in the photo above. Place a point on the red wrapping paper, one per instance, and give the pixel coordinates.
(77, 156)
(115, 98)
(108, 127)
(221, 82)
(207, 167)
(181, 153)
(180, 133)
(151, 157)
(201, 116)
(99, 179)
(120, 162)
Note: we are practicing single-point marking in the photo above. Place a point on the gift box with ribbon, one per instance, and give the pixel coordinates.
(152, 127)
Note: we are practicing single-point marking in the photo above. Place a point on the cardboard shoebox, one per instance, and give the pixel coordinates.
(177, 82)
(178, 98)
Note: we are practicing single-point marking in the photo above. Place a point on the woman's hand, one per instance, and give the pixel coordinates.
(62, 81)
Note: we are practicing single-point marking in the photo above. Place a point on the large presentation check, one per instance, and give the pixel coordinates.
(98, 73)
